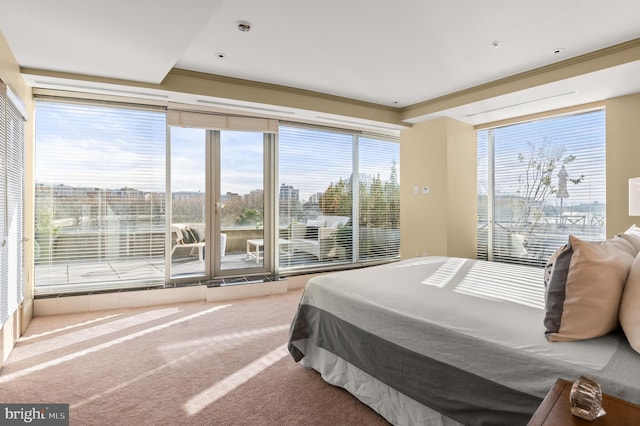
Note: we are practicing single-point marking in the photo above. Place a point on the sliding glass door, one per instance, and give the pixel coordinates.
(188, 201)
(240, 201)
(218, 203)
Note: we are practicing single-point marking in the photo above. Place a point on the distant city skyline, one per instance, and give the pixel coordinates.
(114, 148)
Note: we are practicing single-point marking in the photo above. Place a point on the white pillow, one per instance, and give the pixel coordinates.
(632, 235)
(630, 306)
(318, 223)
(336, 221)
(633, 230)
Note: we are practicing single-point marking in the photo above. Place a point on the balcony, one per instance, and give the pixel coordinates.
(73, 260)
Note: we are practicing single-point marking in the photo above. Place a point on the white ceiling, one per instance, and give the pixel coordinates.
(393, 53)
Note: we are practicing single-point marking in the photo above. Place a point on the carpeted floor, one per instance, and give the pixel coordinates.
(183, 364)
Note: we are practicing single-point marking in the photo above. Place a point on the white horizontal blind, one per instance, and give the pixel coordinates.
(99, 196)
(548, 181)
(379, 203)
(318, 210)
(14, 214)
(6, 304)
(11, 202)
(315, 169)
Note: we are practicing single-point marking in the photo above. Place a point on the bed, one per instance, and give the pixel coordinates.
(448, 341)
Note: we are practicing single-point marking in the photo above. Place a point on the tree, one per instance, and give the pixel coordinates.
(188, 209)
(337, 199)
(392, 191)
(373, 203)
(251, 217)
(538, 180)
(379, 200)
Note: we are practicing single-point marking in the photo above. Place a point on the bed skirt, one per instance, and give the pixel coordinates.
(394, 406)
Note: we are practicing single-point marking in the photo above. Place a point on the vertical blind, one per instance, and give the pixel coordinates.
(99, 196)
(538, 182)
(11, 202)
(328, 217)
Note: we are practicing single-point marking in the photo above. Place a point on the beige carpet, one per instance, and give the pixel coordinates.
(183, 364)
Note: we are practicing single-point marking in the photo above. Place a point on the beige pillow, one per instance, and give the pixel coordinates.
(585, 288)
(630, 306)
(634, 239)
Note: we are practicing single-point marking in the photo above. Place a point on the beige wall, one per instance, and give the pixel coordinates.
(440, 154)
(623, 159)
(462, 217)
(18, 322)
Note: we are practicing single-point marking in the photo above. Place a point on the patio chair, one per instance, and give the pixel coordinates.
(185, 238)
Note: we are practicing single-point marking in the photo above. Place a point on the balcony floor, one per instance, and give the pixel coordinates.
(90, 276)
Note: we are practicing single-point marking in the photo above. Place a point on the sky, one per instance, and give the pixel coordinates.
(132, 153)
(581, 135)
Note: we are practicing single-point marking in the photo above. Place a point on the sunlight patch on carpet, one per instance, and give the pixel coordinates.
(199, 344)
(97, 331)
(67, 328)
(229, 383)
(240, 335)
(105, 345)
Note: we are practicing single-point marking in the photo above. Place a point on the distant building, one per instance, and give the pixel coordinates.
(255, 198)
(289, 193)
(230, 196)
(315, 198)
(185, 195)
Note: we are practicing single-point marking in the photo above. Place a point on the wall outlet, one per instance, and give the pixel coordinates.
(416, 190)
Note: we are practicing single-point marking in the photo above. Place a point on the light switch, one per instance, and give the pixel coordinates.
(426, 190)
(416, 190)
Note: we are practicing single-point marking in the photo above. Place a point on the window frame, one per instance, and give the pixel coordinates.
(12, 142)
(150, 146)
(356, 257)
(586, 132)
(191, 118)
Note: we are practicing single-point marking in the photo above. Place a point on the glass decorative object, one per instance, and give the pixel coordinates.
(586, 399)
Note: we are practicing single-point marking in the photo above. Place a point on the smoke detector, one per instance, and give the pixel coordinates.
(244, 26)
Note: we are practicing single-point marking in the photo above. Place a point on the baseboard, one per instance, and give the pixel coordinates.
(9, 335)
(152, 297)
(116, 300)
(243, 291)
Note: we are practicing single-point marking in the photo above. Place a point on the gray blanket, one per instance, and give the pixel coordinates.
(460, 336)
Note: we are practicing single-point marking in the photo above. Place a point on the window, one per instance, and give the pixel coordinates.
(379, 203)
(323, 221)
(101, 179)
(538, 182)
(99, 196)
(11, 201)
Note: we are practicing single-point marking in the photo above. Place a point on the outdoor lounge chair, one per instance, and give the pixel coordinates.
(185, 238)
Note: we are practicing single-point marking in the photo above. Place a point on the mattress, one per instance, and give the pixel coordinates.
(461, 337)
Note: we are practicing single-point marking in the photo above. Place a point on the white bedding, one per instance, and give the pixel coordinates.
(477, 321)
